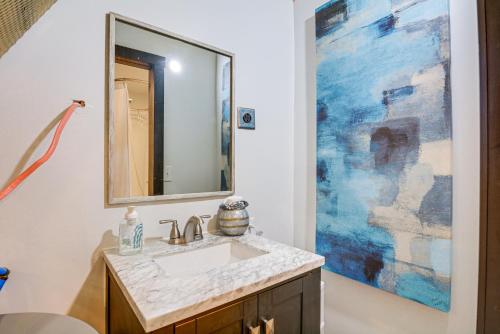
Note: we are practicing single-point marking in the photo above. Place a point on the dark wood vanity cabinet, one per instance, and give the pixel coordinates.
(290, 307)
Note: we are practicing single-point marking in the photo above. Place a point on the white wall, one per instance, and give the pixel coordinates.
(52, 227)
(354, 308)
(191, 125)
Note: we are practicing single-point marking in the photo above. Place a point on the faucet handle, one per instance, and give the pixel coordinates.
(203, 217)
(175, 235)
(252, 227)
(166, 221)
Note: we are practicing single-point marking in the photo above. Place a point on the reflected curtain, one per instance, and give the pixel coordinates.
(120, 165)
(138, 134)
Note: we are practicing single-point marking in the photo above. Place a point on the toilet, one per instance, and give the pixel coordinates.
(42, 323)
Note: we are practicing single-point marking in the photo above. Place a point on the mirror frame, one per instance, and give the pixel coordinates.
(112, 18)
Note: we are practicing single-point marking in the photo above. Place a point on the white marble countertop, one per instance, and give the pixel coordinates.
(160, 299)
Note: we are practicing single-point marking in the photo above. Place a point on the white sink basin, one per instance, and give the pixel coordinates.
(204, 259)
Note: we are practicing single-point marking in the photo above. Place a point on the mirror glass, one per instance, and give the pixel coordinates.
(171, 116)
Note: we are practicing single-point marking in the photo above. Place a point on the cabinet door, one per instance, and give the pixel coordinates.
(311, 302)
(292, 308)
(236, 318)
(280, 309)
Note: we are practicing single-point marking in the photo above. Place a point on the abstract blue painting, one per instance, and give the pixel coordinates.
(384, 175)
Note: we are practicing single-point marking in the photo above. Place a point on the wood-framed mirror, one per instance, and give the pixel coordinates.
(170, 116)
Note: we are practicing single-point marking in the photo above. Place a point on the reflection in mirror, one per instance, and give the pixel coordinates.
(171, 115)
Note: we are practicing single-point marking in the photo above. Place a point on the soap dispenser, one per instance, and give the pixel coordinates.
(130, 234)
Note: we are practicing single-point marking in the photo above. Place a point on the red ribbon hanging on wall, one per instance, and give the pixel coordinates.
(53, 145)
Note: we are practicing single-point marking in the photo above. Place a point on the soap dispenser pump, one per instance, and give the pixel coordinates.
(130, 234)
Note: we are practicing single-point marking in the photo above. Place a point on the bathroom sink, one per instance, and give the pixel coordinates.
(201, 260)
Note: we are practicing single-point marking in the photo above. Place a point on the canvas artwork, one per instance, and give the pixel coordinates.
(384, 175)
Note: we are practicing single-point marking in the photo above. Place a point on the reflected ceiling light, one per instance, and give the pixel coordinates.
(175, 66)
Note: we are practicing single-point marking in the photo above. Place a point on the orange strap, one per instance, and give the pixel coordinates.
(55, 140)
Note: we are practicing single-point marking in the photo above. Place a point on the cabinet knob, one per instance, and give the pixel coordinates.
(253, 330)
(268, 325)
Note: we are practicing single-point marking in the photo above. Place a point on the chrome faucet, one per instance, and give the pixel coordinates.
(192, 230)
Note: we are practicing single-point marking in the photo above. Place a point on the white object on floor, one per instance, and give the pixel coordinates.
(322, 317)
(42, 323)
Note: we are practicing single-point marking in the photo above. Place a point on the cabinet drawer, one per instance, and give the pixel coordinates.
(186, 327)
(231, 319)
(217, 321)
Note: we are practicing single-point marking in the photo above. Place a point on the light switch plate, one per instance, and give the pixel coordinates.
(168, 173)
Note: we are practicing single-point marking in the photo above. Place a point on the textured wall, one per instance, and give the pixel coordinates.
(16, 17)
